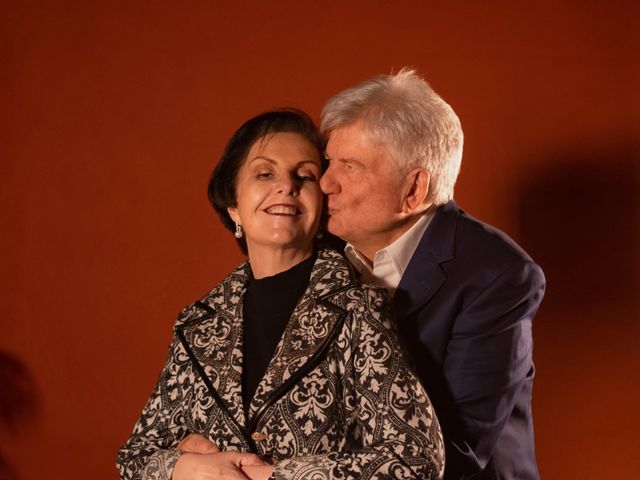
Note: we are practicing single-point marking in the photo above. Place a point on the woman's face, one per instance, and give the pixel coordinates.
(278, 196)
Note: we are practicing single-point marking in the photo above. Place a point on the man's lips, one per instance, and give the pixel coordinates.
(283, 209)
(331, 211)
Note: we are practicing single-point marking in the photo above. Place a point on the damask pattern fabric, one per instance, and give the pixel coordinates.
(338, 399)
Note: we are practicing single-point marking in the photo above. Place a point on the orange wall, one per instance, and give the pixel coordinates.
(114, 114)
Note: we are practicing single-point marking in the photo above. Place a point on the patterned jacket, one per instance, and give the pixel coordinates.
(338, 399)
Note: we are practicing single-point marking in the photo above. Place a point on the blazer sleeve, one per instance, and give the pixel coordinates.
(489, 360)
(394, 430)
(150, 451)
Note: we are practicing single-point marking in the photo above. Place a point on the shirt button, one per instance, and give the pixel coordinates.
(258, 436)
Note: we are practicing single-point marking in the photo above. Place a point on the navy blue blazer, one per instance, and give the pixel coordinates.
(464, 307)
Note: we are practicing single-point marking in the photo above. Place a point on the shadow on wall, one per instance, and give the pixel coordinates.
(580, 220)
(19, 403)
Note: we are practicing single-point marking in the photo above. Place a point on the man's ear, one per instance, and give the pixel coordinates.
(233, 213)
(416, 188)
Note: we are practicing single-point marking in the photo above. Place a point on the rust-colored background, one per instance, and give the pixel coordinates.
(114, 113)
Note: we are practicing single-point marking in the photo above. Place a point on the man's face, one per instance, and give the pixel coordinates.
(364, 190)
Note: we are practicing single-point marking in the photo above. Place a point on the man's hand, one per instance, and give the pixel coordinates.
(216, 466)
(195, 443)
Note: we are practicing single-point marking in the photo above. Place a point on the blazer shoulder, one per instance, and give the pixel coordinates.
(334, 280)
(478, 238)
(492, 254)
(226, 294)
(472, 250)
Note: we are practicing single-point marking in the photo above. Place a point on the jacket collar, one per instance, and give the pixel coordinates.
(212, 330)
(424, 274)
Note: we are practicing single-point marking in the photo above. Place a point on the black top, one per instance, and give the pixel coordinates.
(268, 305)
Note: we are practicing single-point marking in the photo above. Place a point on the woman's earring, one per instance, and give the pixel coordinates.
(238, 233)
(319, 234)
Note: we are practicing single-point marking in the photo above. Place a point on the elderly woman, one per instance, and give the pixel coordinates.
(289, 368)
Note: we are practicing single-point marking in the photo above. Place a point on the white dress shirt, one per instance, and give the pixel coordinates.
(390, 263)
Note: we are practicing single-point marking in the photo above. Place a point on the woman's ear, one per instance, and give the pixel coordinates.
(233, 213)
(415, 189)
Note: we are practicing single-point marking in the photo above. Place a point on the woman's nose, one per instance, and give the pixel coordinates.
(289, 185)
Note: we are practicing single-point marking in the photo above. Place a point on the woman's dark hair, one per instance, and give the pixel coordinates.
(222, 186)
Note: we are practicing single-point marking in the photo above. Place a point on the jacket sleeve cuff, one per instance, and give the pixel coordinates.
(160, 465)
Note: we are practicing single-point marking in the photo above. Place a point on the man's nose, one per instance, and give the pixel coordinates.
(327, 182)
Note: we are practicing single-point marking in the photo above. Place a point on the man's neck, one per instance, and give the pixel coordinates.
(368, 250)
(390, 262)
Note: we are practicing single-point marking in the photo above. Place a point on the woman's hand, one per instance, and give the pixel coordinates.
(213, 464)
(258, 473)
(219, 466)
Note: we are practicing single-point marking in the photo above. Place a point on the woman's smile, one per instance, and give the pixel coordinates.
(279, 201)
(283, 210)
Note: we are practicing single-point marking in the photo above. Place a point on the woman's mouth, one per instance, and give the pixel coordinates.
(283, 210)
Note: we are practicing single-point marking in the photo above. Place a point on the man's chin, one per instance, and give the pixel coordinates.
(336, 229)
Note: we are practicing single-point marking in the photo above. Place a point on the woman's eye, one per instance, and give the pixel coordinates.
(263, 175)
(306, 176)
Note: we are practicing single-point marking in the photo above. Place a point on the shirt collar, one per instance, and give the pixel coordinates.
(390, 263)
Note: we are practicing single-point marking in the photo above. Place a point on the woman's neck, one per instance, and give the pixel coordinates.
(266, 262)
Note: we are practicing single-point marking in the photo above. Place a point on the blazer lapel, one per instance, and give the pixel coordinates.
(310, 330)
(424, 274)
(212, 337)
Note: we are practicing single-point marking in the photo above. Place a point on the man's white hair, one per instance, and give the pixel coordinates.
(417, 126)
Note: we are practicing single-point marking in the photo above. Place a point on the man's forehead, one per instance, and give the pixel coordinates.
(356, 129)
(353, 141)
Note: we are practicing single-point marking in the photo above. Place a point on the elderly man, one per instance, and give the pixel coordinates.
(464, 293)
